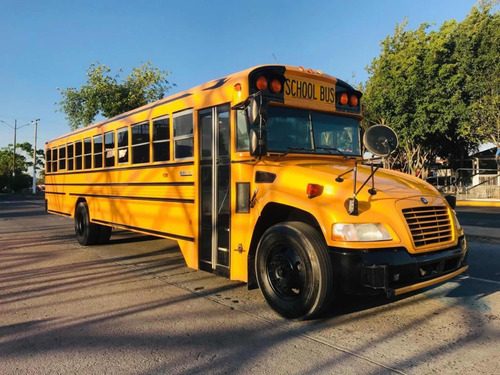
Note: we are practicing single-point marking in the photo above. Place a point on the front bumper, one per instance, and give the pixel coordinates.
(395, 271)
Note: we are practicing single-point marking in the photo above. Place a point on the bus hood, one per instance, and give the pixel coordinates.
(395, 194)
(388, 184)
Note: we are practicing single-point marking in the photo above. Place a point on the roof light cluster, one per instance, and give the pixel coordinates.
(351, 100)
(310, 70)
(273, 84)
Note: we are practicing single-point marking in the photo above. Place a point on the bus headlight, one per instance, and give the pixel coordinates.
(457, 223)
(360, 232)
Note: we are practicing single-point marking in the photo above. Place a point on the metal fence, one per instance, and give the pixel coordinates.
(468, 183)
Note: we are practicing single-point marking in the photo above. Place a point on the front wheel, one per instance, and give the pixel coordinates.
(294, 271)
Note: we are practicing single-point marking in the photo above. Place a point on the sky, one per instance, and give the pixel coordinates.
(50, 44)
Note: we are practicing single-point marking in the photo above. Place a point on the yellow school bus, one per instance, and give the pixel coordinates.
(259, 177)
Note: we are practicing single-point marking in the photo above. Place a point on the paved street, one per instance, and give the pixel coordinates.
(132, 307)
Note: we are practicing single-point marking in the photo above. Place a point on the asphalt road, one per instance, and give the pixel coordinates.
(132, 307)
(486, 217)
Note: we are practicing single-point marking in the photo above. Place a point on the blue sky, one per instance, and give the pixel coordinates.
(49, 44)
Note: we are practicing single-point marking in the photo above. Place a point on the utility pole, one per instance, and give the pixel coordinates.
(14, 155)
(34, 157)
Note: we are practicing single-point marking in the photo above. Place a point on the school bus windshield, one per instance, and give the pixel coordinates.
(300, 130)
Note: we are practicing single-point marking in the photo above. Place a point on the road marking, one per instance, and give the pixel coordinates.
(480, 279)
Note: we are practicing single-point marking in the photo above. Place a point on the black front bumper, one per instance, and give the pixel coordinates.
(369, 271)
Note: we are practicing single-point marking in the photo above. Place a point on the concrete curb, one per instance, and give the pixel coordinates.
(479, 203)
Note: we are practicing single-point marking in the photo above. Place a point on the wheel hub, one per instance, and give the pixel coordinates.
(286, 273)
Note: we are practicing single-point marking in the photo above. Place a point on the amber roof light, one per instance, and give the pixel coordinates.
(344, 98)
(261, 83)
(275, 86)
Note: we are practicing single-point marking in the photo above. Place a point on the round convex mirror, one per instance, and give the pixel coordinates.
(380, 140)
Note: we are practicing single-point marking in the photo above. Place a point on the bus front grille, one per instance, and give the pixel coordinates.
(428, 225)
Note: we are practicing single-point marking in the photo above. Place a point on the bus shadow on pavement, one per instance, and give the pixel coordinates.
(463, 290)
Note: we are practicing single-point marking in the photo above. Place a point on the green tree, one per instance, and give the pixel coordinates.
(438, 89)
(108, 95)
(24, 160)
(477, 53)
(398, 92)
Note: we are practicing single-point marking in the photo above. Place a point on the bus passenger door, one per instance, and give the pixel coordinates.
(215, 192)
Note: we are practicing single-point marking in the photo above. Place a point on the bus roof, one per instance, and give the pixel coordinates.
(216, 83)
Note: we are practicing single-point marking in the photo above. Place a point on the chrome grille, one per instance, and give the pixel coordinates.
(428, 225)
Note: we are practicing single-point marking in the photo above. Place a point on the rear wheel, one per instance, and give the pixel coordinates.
(104, 234)
(294, 271)
(88, 233)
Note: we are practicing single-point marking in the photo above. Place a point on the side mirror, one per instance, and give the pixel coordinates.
(257, 110)
(258, 144)
(452, 200)
(380, 140)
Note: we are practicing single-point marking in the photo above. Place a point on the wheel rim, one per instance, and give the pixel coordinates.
(286, 272)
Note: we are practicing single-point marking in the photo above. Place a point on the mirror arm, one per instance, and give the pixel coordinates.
(353, 202)
(372, 191)
(339, 177)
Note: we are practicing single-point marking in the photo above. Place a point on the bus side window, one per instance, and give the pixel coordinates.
(161, 139)
(48, 160)
(54, 160)
(224, 130)
(140, 143)
(122, 145)
(98, 151)
(62, 157)
(109, 149)
(242, 140)
(183, 134)
(70, 156)
(87, 152)
(78, 155)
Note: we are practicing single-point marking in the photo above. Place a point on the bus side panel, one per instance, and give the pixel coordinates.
(242, 223)
(57, 199)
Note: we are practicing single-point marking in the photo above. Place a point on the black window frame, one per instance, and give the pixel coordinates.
(109, 161)
(62, 159)
(162, 141)
(120, 147)
(183, 136)
(87, 155)
(54, 159)
(70, 158)
(48, 160)
(95, 155)
(134, 147)
(78, 155)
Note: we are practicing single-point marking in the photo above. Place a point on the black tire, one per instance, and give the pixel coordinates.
(294, 271)
(104, 234)
(87, 233)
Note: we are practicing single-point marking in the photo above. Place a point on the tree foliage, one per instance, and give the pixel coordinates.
(24, 160)
(108, 95)
(439, 90)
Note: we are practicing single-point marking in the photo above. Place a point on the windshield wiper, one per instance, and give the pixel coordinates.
(293, 148)
(332, 149)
